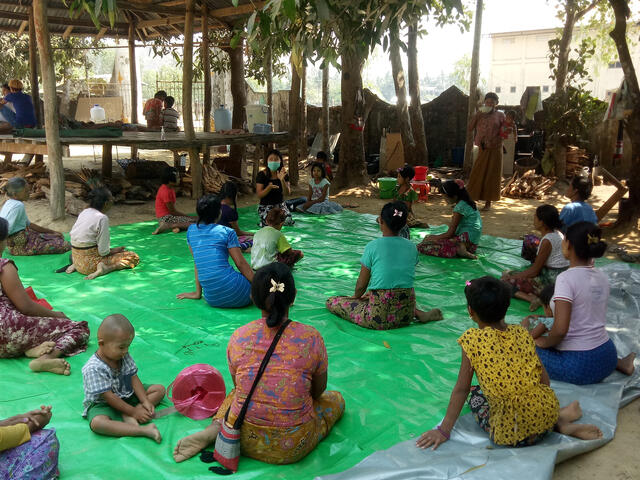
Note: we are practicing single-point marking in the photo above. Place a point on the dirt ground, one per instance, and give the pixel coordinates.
(510, 218)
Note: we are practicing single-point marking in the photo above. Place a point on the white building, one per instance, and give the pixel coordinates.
(520, 60)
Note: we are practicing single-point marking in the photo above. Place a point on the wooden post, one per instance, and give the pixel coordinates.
(473, 87)
(107, 161)
(268, 67)
(133, 79)
(206, 68)
(54, 149)
(415, 105)
(33, 69)
(187, 110)
(239, 94)
(304, 148)
(294, 124)
(325, 110)
(402, 106)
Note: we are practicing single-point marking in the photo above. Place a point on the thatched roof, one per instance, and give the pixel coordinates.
(153, 18)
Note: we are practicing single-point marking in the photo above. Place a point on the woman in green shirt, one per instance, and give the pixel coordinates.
(465, 229)
(384, 297)
(404, 193)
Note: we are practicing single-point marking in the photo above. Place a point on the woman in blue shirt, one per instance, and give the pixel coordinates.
(384, 297)
(578, 191)
(25, 116)
(211, 245)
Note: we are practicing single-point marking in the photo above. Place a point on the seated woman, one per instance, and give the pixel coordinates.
(549, 261)
(465, 229)
(168, 217)
(25, 114)
(26, 238)
(318, 197)
(27, 328)
(211, 245)
(290, 411)
(578, 349)
(229, 214)
(27, 451)
(270, 184)
(578, 191)
(384, 297)
(90, 240)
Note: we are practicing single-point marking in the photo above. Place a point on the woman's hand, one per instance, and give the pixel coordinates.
(58, 315)
(432, 437)
(189, 296)
(281, 174)
(116, 250)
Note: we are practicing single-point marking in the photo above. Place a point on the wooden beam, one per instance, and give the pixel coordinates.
(172, 3)
(23, 25)
(24, 148)
(156, 22)
(206, 69)
(100, 34)
(239, 10)
(65, 21)
(133, 83)
(107, 161)
(67, 32)
(54, 148)
(187, 91)
(33, 69)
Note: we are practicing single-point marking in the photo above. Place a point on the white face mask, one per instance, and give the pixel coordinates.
(485, 109)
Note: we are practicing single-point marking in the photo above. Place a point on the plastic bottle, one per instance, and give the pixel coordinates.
(222, 119)
(97, 114)
(162, 137)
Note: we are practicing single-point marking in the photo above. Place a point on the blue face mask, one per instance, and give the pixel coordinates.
(273, 166)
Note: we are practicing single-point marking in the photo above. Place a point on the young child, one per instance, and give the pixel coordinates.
(26, 238)
(229, 214)
(270, 244)
(513, 403)
(538, 326)
(323, 158)
(317, 200)
(170, 116)
(404, 193)
(465, 229)
(115, 400)
(168, 217)
(549, 261)
(509, 127)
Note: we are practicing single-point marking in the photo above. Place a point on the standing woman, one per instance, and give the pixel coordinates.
(211, 245)
(486, 175)
(384, 297)
(90, 240)
(25, 116)
(270, 184)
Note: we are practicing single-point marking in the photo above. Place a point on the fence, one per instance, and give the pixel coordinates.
(174, 89)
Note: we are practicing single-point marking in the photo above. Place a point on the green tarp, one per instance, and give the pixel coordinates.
(391, 393)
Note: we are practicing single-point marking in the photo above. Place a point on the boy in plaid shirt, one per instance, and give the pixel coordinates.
(115, 400)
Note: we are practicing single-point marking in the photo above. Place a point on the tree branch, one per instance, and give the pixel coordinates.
(587, 9)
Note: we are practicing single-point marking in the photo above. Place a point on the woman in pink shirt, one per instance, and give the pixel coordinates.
(578, 349)
(290, 411)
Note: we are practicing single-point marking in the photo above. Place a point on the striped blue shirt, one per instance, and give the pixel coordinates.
(222, 285)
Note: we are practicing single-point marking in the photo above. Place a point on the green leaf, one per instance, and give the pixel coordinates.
(235, 40)
(251, 22)
(97, 9)
(234, 2)
(290, 9)
(324, 14)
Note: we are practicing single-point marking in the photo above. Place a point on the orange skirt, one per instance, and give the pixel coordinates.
(86, 260)
(486, 176)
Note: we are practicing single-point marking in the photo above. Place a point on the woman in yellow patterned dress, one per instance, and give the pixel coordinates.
(513, 403)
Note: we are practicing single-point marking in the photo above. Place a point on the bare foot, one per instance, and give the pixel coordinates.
(101, 270)
(571, 412)
(175, 230)
(42, 349)
(430, 316)
(156, 231)
(535, 304)
(71, 268)
(625, 365)
(152, 432)
(487, 206)
(464, 253)
(194, 443)
(581, 430)
(52, 365)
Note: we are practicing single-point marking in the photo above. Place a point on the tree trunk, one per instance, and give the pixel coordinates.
(565, 46)
(294, 124)
(304, 148)
(54, 149)
(268, 67)
(473, 87)
(239, 94)
(619, 36)
(402, 107)
(33, 69)
(352, 169)
(206, 73)
(133, 80)
(325, 110)
(187, 98)
(415, 108)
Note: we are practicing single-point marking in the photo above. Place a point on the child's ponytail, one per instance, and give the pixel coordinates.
(585, 238)
(455, 189)
(273, 290)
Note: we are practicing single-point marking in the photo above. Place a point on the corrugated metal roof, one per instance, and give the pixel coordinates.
(153, 18)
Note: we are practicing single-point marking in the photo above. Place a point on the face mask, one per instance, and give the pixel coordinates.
(485, 109)
(273, 166)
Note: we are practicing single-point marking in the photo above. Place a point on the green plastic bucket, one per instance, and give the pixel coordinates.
(386, 185)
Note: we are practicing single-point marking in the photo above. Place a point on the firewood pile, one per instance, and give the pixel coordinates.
(528, 185)
(37, 177)
(576, 158)
(213, 179)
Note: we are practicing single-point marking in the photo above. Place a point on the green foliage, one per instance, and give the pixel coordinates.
(97, 10)
(571, 115)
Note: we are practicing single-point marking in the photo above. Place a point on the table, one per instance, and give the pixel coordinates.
(147, 141)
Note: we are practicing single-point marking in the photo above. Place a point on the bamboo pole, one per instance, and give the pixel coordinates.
(206, 68)
(187, 88)
(473, 87)
(239, 94)
(325, 110)
(33, 68)
(269, 74)
(133, 80)
(54, 149)
(304, 148)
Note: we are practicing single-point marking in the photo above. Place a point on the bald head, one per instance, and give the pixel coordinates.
(115, 325)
